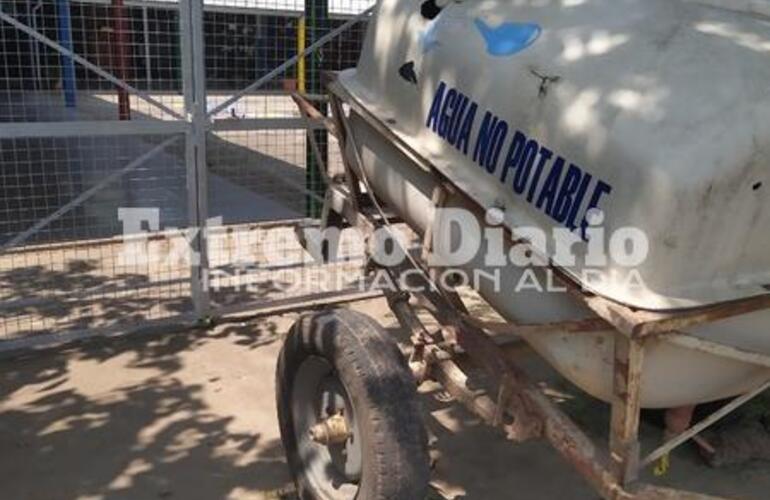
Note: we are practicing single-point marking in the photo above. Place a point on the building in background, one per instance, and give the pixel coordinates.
(245, 39)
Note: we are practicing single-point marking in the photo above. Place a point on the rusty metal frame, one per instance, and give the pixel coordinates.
(521, 408)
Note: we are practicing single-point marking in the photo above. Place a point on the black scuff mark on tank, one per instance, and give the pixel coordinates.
(429, 9)
(545, 81)
(705, 200)
(406, 71)
(664, 40)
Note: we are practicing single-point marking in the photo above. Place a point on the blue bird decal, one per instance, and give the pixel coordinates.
(429, 37)
(508, 38)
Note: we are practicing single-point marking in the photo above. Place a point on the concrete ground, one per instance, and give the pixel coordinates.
(192, 415)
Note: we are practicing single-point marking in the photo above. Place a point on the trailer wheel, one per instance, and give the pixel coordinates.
(348, 411)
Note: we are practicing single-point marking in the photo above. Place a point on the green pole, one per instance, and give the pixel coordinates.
(317, 19)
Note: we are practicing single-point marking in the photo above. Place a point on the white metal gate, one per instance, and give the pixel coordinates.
(152, 165)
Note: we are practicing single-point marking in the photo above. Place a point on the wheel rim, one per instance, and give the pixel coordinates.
(332, 469)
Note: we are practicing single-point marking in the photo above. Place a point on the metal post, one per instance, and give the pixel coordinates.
(36, 46)
(317, 19)
(121, 56)
(147, 52)
(31, 44)
(301, 44)
(626, 399)
(194, 86)
(67, 64)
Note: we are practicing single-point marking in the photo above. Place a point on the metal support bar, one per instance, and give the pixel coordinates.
(314, 116)
(84, 62)
(234, 124)
(339, 124)
(23, 236)
(194, 79)
(626, 397)
(294, 304)
(703, 424)
(291, 61)
(650, 322)
(91, 128)
(641, 323)
(725, 351)
(456, 383)
(311, 115)
(318, 155)
(587, 325)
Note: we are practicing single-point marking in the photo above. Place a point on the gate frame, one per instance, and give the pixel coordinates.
(195, 103)
(193, 123)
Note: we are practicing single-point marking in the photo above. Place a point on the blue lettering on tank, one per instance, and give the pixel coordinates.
(467, 128)
(435, 108)
(550, 187)
(514, 153)
(545, 156)
(490, 141)
(566, 194)
(458, 113)
(446, 118)
(521, 178)
(544, 179)
(578, 201)
(600, 189)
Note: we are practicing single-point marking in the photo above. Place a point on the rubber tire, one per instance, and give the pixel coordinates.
(381, 388)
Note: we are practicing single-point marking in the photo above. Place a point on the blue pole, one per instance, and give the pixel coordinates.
(65, 40)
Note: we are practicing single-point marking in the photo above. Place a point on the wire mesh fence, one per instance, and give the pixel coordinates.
(98, 140)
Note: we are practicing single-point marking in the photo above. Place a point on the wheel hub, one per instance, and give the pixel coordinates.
(329, 439)
(333, 430)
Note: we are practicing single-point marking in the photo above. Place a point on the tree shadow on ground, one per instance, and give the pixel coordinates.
(147, 432)
(76, 294)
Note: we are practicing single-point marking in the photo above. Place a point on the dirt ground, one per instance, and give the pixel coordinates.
(192, 416)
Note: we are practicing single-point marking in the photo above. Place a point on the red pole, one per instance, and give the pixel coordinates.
(121, 57)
